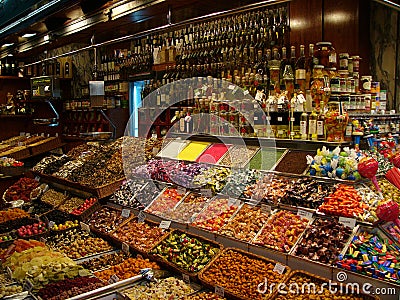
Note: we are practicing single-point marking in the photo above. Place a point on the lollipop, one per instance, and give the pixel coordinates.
(396, 160)
(388, 212)
(367, 168)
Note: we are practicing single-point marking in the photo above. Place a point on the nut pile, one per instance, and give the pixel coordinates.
(105, 261)
(186, 252)
(126, 269)
(168, 288)
(238, 181)
(12, 214)
(70, 204)
(237, 156)
(216, 214)
(323, 241)
(389, 191)
(53, 198)
(55, 165)
(141, 236)
(44, 163)
(84, 247)
(66, 170)
(191, 206)
(281, 231)
(106, 219)
(66, 238)
(246, 224)
(204, 296)
(6, 291)
(241, 274)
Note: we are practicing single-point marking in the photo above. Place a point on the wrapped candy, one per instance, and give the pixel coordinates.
(367, 168)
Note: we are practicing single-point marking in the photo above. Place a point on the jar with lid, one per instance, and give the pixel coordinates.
(356, 63)
(317, 86)
(336, 119)
(325, 53)
(344, 61)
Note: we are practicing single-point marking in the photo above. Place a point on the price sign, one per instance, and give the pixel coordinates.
(28, 286)
(246, 92)
(30, 210)
(268, 118)
(279, 268)
(219, 290)
(125, 213)
(154, 136)
(186, 278)
(266, 208)
(9, 272)
(349, 222)
(141, 217)
(231, 87)
(20, 144)
(305, 214)
(181, 190)
(42, 134)
(165, 224)
(125, 248)
(113, 279)
(85, 227)
(292, 119)
(206, 193)
(280, 119)
(255, 118)
(27, 134)
(51, 224)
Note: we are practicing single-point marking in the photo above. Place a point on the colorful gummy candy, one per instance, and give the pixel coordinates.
(373, 255)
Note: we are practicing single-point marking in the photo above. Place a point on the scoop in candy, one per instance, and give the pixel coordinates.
(367, 168)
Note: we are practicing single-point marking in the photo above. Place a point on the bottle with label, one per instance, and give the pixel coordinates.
(309, 65)
(312, 126)
(304, 124)
(300, 70)
(321, 126)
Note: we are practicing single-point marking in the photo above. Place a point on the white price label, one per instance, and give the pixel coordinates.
(266, 208)
(141, 217)
(154, 136)
(349, 222)
(165, 224)
(219, 290)
(181, 190)
(28, 286)
(305, 214)
(51, 224)
(279, 268)
(255, 118)
(42, 134)
(30, 210)
(206, 193)
(27, 134)
(292, 119)
(280, 119)
(9, 272)
(268, 118)
(246, 92)
(231, 87)
(125, 248)
(125, 213)
(85, 227)
(186, 278)
(155, 151)
(113, 279)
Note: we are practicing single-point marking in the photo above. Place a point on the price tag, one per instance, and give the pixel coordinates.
(255, 118)
(246, 92)
(181, 190)
(125, 248)
(85, 227)
(141, 217)
(186, 278)
(279, 268)
(9, 272)
(268, 118)
(280, 132)
(51, 224)
(292, 119)
(30, 210)
(266, 208)
(28, 286)
(113, 279)
(219, 290)
(154, 136)
(349, 222)
(27, 134)
(280, 119)
(125, 213)
(155, 151)
(305, 214)
(206, 193)
(231, 87)
(165, 224)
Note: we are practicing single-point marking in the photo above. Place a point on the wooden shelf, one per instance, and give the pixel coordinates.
(15, 117)
(13, 78)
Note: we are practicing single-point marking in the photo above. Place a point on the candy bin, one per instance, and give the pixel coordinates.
(336, 119)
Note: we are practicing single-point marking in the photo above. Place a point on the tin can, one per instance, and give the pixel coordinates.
(366, 83)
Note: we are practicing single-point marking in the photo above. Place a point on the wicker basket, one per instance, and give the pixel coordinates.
(229, 293)
(174, 266)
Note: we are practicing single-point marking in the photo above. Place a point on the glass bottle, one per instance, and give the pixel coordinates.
(312, 126)
(304, 124)
(300, 73)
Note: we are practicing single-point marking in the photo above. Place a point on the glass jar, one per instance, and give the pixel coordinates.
(344, 61)
(336, 119)
(326, 54)
(317, 86)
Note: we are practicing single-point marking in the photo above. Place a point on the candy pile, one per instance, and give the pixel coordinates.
(190, 207)
(165, 202)
(106, 219)
(21, 189)
(213, 178)
(10, 162)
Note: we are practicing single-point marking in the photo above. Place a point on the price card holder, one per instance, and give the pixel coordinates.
(125, 248)
(305, 214)
(349, 222)
(219, 290)
(28, 286)
(22, 133)
(141, 217)
(165, 224)
(20, 144)
(268, 118)
(51, 224)
(30, 210)
(9, 272)
(266, 208)
(231, 87)
(206, 193)
(125, 213)
(246, 92)
(279, 268)
(186, 278)
(113, 279)
(292, 119)
(85, 227)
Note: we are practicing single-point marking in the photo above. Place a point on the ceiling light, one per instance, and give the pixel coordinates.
(7, 44)
(10, 54)
(29, 35)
